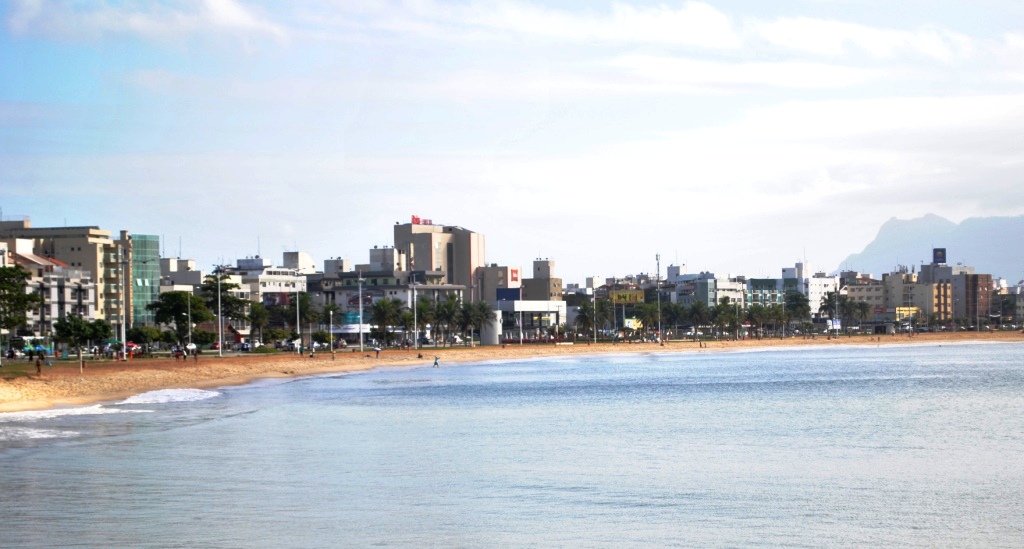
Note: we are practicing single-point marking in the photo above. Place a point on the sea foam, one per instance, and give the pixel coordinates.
(165, 396)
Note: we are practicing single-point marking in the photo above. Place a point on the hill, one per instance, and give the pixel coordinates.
(992, 245)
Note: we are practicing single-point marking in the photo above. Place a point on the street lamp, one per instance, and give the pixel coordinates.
(298, 324)
(360, 280)
(124, 312)
(657, 286)
(415, 324)
(219, 270)
(330, 333)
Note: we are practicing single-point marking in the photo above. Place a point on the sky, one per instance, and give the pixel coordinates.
(736, 137)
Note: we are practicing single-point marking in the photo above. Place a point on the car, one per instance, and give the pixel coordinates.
(190, 347)
(424, 340)
(215, 346)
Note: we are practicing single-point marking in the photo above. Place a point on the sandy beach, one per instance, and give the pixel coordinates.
(61, 384)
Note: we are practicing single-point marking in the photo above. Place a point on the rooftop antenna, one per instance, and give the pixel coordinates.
(257, 245)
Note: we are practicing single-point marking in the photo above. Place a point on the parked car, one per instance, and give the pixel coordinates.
(424, 340)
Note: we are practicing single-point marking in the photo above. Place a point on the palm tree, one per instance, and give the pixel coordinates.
(476, 315)
(426, 308)
(604, 313)
(699, 314)
(648, 313)
(673, 314)
(385, 314)
(447, 315)
(406, 321)
(585, 320)
(756, 315)
(863, 311)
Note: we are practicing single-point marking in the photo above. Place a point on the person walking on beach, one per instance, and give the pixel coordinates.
(435, 361)
(39, 366)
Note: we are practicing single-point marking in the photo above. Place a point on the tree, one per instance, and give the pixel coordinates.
(426, 308)
(78, 332)
(797, 306)
(757, 314)
(474, 315)
(648, 313)
(175, 308)
(585, 320)
(259, 318)
(604, 313)
(202, 337)
(699, 315)
(384, 313)
(232, 307)
(15, 302)
(143, 334)
(446, 314)
(673, 314)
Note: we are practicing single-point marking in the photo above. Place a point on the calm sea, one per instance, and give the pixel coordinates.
(918, 446)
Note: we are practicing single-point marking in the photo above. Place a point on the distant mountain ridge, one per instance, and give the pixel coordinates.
(992, 245)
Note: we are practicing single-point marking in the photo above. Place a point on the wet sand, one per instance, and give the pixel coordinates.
(61, 384)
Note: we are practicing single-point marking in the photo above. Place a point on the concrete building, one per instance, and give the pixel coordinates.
(145, 276)
(494, 277)
(300, 262)
(89, 249)
(65, 290)
(543, 286)
(454, 251)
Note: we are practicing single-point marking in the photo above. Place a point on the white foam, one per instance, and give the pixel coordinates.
(35, 415)
(23, 433)
(165, 396)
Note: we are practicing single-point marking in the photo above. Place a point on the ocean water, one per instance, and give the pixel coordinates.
(916, 446)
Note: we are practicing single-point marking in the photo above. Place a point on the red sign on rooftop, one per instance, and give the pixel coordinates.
(417, 221)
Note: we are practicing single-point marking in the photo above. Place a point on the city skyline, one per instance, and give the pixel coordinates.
(731, 136)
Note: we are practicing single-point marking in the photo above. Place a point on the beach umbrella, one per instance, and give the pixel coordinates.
(40, 348)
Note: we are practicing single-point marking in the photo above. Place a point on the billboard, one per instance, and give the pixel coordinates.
(514, 275)
(626, 296)
(509, 294)
(938, 255)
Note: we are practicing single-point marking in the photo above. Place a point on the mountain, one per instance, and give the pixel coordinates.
(992, 245)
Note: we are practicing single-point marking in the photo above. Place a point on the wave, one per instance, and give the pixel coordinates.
(165, 396)
(34, 415)
(27, 433)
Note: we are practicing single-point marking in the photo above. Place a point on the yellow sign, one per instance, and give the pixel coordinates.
(626, 296)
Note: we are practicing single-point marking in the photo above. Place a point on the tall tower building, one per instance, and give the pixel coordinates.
(456, 251)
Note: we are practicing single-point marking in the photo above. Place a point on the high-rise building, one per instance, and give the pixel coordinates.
(455, 251)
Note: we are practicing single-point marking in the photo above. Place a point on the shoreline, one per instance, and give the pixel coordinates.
(61, 384)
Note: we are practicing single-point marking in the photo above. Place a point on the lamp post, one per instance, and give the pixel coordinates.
(220, 316)
(415, 324)
(657, 286)
(330, 332)
(298, 324)
(593, 313)
(360, 280)
(124, 312)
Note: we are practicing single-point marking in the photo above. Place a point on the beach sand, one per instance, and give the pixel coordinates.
(61, 384)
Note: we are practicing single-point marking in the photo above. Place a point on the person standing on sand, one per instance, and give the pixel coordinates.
(39, 366)
(436, 365)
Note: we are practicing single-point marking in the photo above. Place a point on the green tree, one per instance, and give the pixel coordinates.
(78, 332)
(648, 315)
(203, 337)
(426, 308)
(604, 314)
(474, 315)
(175, 308)
(585, 320)
(259, 318)
(446, 314)
(699, 315)
(143, 335)
(797, 306)
(385, 314)
(232, 307)
(15, 301)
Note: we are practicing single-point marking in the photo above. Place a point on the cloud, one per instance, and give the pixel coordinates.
(90, 21)
(834, 38)
(692, 24)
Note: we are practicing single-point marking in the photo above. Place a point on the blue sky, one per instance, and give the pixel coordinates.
(734, 137)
